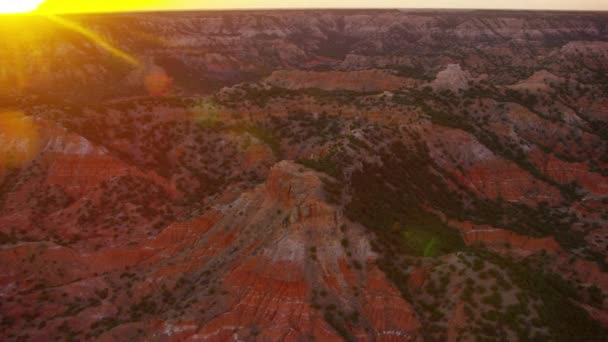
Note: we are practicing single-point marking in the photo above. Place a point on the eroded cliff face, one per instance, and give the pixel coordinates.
(272, 259)
(305, 175)
(296, 267)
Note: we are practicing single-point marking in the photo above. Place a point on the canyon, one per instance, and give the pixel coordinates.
(304, 175)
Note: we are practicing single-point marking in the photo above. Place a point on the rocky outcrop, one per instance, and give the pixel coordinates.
(504, 241)
(451, 78)
(303, 255)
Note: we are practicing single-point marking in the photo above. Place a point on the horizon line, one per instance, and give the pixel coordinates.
(277, 9)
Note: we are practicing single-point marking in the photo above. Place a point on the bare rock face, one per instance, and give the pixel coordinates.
(453, 78)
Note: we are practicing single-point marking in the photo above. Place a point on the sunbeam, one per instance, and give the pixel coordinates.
(94, 37)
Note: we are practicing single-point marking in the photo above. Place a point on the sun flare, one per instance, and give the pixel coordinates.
(18, 6)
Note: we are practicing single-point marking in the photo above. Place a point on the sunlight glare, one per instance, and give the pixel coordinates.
(18, 6)
(19, 139)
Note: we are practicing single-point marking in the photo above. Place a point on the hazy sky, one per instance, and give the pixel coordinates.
(130, 5)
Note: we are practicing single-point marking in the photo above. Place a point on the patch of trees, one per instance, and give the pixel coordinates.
(324, 164)
(264, 133)
(559, 310)
(389, 200)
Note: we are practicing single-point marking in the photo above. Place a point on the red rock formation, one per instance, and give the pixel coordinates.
(265, 237)
(499, 178)
(504, 241)
(485, 173)
(28, 265)
(565, 172)
(392, 318)
(272, 296)
(364, 80)
(260, 283)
